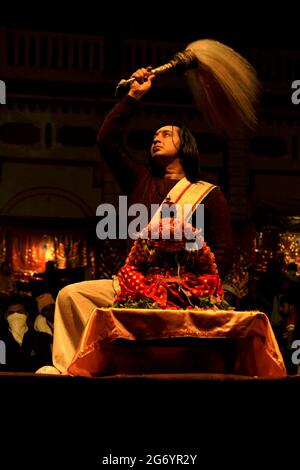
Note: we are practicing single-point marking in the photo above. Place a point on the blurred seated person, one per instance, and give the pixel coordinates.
(231, 295)
(254, 300)
(288, 312)
(26, 349)
(51, 279)
(45, 318)
(7, 281)
(291, 272)
(253, 273)
(285, 290)
(292, 276)
(271, 280)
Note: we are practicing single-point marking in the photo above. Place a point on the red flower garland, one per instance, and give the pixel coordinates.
(148, 272)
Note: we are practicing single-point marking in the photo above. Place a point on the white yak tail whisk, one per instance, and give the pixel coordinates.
(224, 84)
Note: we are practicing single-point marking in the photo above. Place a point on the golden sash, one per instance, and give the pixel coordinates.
(186, 193)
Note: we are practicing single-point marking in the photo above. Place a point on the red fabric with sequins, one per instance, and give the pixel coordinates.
(148, 272)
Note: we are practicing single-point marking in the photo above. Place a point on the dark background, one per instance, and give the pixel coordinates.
(248, 23)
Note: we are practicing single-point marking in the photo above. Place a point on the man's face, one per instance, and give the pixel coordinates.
(285, 308)
(16, 308)
(166, 144)
(48, 312)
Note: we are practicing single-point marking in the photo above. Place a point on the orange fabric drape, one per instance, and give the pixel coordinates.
(106, 344)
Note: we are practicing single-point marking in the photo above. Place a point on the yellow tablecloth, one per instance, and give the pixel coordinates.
(135, 341)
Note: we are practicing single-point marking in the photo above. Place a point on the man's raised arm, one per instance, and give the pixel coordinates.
(111, 135)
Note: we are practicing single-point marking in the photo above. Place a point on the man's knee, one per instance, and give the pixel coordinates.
(68, 291)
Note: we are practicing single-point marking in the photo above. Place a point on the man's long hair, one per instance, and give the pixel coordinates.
(188, 156)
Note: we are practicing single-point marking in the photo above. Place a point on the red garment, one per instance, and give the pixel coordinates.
(166, 289)
(163, 271)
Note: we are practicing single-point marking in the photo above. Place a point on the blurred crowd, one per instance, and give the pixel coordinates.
(275, 292)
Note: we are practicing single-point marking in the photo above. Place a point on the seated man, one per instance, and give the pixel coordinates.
(44, 320)
(174, 159)
(26, 349)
